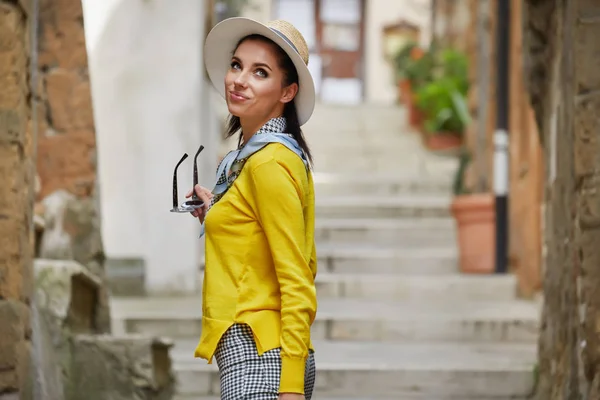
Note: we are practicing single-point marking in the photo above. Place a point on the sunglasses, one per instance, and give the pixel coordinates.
(194, 202)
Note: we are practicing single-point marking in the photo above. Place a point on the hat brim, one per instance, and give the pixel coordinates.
(220, 44)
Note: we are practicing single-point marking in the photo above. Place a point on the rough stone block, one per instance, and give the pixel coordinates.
(72, 232)
(15, 257)
(121, 368)
(13, 58)
(49, 357)
(75, 362)
(59, 89)
(11, 263)
(69, 99)
(587, 125)
(14, 346)
(12, 124)
(9, 380)
(14, 329)
(67, 295)
(67, 148)
(66, 161)
(11, 174)
(62, 29)
(66, 301)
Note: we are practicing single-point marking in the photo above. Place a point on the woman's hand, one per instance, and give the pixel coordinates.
(206, 196)
(291, 396)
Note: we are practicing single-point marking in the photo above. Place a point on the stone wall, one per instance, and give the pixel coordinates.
(16, 204)
(564, 86)
(67, 142)
(66, 159)
(74, 360)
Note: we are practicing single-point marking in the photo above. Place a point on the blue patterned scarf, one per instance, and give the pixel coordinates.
(231, 166)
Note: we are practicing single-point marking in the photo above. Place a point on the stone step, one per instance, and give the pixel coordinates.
(409, 159)
(365, 258)
(378, 165)
(383, 206)
(414, 287)
(417, 288)
(332, 121)
(398, 232)
(360, 258)
(327, 157)
(401, 396)
(353, 319)
(362, 370)
(369, 184)
(357, 141)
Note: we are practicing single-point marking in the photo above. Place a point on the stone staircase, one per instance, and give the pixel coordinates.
(395, 320)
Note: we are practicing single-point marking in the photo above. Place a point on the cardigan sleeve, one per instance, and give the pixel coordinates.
(277, 199)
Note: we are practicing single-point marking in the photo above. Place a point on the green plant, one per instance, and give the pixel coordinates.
(458, 185)
(536, 379)
(402, 58)
(443, 98)
(454, 64)
(419, 69)
(444, 106)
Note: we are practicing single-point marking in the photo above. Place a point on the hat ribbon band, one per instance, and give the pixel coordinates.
(285, 38)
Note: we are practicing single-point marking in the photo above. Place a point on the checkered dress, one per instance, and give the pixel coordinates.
(247, 376)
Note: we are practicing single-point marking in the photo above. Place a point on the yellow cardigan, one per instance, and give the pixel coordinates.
(261, 261)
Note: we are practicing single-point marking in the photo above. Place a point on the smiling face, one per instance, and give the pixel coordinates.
(255, 83)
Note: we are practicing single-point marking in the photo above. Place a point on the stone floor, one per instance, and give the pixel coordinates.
(396, 320)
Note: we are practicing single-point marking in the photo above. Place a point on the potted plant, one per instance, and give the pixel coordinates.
(475, 223)
(445, 114)
(442, 102)
(455, 64)
(419, 71)
(400, 61)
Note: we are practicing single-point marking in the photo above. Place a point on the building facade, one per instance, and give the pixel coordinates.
(348, 55)
(150, 105)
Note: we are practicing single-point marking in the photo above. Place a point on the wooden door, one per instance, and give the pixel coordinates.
(339, 40)
(302, 14)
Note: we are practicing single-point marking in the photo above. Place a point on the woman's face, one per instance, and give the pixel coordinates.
(254, 82)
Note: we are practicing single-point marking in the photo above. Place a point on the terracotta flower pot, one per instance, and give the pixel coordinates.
(443, 141)
(475, 221)
(415, 115)
(404, 92)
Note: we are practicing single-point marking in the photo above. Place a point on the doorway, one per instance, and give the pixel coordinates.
(334, 31)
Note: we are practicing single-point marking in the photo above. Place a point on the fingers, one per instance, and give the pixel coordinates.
(201, 192)
(206, 196)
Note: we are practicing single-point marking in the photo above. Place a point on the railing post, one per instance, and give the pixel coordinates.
(501, 135)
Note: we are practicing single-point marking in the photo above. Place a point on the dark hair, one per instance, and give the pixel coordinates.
(289, 110)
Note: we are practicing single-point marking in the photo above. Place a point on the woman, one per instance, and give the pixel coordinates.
(259, 298)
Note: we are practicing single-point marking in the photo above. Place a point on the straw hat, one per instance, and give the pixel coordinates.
(222, 39)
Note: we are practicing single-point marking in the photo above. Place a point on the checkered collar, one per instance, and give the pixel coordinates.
(274, 125)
